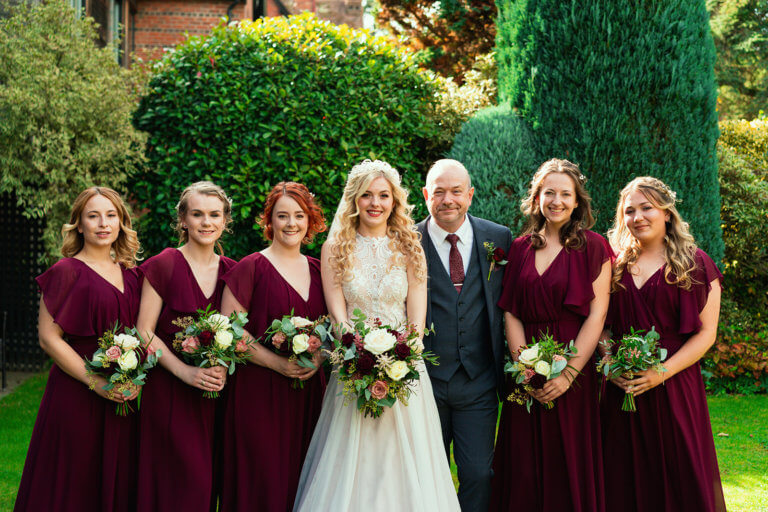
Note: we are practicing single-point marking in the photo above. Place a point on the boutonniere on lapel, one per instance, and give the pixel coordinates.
(495, 255)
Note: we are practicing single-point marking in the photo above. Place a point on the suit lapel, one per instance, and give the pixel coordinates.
(426, 245)
(485, 265)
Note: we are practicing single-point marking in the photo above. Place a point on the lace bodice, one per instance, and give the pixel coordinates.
(378, 287)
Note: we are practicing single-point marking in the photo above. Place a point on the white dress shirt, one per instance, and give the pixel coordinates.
(443, 246)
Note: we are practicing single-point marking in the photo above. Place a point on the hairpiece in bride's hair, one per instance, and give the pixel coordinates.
(367, 166)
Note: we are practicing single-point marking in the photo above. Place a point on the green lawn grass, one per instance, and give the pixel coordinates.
(17, 417)
(743, 455)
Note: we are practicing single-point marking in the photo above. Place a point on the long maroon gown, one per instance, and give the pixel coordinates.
(551, 460)
(82, 456)
(662, 457)
(176, 426)
(268, 424)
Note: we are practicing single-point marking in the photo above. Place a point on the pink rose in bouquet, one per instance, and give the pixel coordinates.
(278, 339)
(113, 353)
(189, 345)
(314, 343)
(379, 389)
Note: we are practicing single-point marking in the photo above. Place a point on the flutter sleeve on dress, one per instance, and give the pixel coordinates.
(242, 279)
(583, 268)
(158, 271)
(67, 304)
(511, 300)
(693, 300)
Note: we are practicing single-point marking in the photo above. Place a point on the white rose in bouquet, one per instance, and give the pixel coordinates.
(128, 361)
(126, 341)
(223, 339)
(219, 322)
(300, 343)
(529, 355)
(379, 341)
(542, 368)
(299, 322)
(397, 370)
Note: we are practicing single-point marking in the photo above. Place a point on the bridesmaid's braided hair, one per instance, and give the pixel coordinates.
(572, 233)
(679, 244)
(207, 189)
(125, 249)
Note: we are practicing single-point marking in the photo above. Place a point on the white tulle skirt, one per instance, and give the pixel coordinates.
(395, 462)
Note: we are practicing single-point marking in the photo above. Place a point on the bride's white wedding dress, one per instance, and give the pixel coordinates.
(395, 462)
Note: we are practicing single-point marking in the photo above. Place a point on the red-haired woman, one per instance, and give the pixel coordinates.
(82, 455)
(176, 442)
(268, 424)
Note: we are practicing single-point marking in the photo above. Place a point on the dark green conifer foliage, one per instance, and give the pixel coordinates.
(624, 89)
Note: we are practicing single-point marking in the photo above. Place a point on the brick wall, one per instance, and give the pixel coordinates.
(157, 25)
(161, 24)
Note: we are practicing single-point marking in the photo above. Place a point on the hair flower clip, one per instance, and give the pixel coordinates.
(495, 255)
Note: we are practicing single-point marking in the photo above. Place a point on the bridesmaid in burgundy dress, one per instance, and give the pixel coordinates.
(176, 448)
(662, 457)
(557, 281)
(82, 455)
(268, 424)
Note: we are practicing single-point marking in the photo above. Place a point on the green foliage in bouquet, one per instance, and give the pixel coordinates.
(65, 113)
(544, 359)
(121, 360)
(498, 149)
(279, 99)
(624, 89)
(635, 353)
(376, 364)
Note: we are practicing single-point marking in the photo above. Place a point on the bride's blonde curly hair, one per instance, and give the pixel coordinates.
(679, 244)
(405, 240)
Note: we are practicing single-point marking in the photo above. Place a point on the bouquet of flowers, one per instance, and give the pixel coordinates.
(212, 340)
(120, 359)
(376, 364)
(636, 353)
(537, 363)
(298, 338)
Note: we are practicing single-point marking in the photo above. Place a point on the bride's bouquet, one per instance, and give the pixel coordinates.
(299, 339)
(636, 353)
(120, 360)
(537, 363)
(376, 364)
(213, 339)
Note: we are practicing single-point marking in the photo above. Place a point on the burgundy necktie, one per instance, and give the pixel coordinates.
(455, 262)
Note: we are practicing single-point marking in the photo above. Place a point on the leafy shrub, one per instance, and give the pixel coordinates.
(498, 150)
(66, 109)
(622, 88)
(737, 362)
(287, 98)
(457, 103)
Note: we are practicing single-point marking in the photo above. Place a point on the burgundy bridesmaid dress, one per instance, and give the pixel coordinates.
(551, 460)
(268, 424)
(176, 426)
(82, 456)
(662, 457)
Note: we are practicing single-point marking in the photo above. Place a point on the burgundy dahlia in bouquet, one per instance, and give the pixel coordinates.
(536, 364)
(124, 362)
(376, 364)
(213, 339)
(299, 339)
(635, 354)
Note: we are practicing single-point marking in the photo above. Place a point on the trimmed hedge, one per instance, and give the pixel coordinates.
(623, 89)
(497, 148)
(285, 98)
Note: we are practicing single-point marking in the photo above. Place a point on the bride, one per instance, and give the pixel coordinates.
(373, 261)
